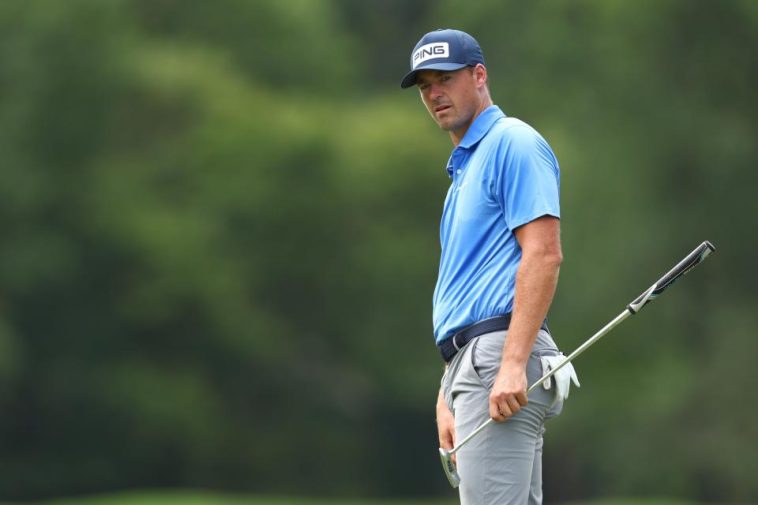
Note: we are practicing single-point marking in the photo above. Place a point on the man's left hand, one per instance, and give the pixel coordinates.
(508, 393)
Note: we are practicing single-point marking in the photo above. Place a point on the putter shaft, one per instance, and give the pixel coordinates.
(688, 263)
(579, 350)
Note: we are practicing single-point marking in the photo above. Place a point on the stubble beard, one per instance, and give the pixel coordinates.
(454, 123)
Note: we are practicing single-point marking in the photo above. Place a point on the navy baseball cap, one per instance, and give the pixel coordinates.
(445, 50)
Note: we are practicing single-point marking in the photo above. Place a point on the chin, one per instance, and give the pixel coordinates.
(448, 125)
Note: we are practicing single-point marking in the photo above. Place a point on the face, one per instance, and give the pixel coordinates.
(454, 98)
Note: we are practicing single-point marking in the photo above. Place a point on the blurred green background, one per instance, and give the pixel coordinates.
(220, 238)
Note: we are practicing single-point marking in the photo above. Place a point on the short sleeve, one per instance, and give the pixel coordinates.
(528, 179)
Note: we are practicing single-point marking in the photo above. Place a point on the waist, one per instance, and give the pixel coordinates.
(450, 346)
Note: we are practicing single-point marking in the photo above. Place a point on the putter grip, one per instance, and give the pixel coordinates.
(673, 275)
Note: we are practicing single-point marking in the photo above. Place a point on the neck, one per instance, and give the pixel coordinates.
(457, 135)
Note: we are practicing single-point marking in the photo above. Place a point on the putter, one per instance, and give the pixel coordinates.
(676, 273)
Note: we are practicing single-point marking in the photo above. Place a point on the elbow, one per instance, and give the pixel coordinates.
(556, 254)
(553, 258)
(549, 257)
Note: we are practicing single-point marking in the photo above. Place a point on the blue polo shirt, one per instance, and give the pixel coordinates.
(504, 175)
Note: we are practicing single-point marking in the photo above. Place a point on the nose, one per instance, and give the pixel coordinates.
(435, 91)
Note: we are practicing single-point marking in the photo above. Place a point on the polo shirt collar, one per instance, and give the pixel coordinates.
(481, 126)
(476, 132)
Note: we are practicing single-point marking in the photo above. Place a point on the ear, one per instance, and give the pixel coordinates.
(480, 75)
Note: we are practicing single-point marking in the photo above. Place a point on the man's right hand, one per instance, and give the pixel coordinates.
(445, 425)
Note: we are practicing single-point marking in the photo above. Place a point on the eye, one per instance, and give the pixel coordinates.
(423, 86)
(445, 77)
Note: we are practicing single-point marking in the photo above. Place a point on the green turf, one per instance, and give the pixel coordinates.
(210, 498)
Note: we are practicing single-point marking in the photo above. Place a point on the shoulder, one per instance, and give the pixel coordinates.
(513, 131)
(515, 141)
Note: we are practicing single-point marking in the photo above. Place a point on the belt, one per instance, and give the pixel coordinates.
(450, 346)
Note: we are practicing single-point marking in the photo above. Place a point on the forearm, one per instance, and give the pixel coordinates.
(441, 406)
(445, 422)
(536, 281)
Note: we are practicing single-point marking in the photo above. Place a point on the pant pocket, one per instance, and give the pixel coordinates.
(486, 356)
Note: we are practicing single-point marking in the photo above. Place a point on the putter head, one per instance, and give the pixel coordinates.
(450, 469)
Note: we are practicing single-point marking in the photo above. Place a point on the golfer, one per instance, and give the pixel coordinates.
(501, 252)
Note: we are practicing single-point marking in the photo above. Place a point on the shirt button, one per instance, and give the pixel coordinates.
(458, 171)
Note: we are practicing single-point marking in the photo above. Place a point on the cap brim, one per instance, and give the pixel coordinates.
(410, 78)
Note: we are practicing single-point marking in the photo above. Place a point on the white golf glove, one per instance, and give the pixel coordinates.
(563, 377)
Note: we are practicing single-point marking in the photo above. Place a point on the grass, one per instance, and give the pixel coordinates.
(211, 498)
(214, 498)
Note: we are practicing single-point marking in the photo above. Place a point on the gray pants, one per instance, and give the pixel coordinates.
(503, 464)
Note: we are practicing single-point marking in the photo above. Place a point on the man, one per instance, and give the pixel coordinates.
(498, 272)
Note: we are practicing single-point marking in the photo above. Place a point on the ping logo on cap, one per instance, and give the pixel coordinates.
(431, 51)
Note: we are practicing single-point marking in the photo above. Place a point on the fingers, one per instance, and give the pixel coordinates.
(521, 398)
(447, 436)
(499, 413)
(504, 406)
(446, 429)
(508, 393)
(447, 440)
